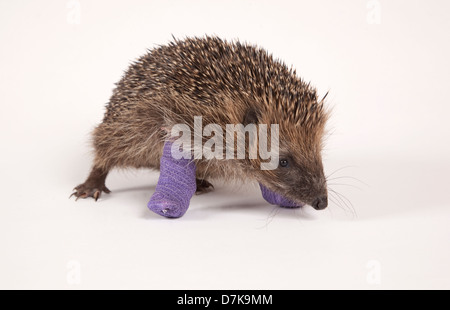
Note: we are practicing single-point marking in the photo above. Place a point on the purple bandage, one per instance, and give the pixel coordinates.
(277, 199)
(176, 185)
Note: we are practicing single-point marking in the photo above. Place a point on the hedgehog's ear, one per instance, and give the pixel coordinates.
(251, 116)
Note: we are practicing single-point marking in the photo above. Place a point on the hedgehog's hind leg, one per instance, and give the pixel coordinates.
(203, 186)
(93, 186)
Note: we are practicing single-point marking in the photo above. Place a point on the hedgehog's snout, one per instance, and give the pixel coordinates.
(319, 193)
(320, 202)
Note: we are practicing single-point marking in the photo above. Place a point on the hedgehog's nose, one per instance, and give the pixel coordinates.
(320, 203)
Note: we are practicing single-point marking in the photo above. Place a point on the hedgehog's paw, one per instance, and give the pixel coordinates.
(167, 206)
(87, 189)
(277, 199)
(203, 187)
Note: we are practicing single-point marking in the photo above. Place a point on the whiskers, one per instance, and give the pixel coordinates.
(338, 198)
(275, 210)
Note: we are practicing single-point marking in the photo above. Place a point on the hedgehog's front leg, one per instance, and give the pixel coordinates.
(276, 199)
(176, 185)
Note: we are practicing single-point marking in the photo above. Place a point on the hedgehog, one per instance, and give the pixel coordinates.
(224, 82)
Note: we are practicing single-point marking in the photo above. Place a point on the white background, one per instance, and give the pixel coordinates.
(388, 86)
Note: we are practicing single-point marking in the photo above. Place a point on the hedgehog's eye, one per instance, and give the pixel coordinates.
(284, 163)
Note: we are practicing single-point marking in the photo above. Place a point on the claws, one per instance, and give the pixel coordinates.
(85, 191)
(96, 195)
(203, 186)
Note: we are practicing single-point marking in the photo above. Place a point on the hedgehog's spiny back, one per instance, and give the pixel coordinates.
(209, 69)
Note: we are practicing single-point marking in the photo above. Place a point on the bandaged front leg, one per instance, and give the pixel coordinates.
(276, 199)
(176, 185)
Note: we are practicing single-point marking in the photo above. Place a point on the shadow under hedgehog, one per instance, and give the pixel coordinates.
(225, 83)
